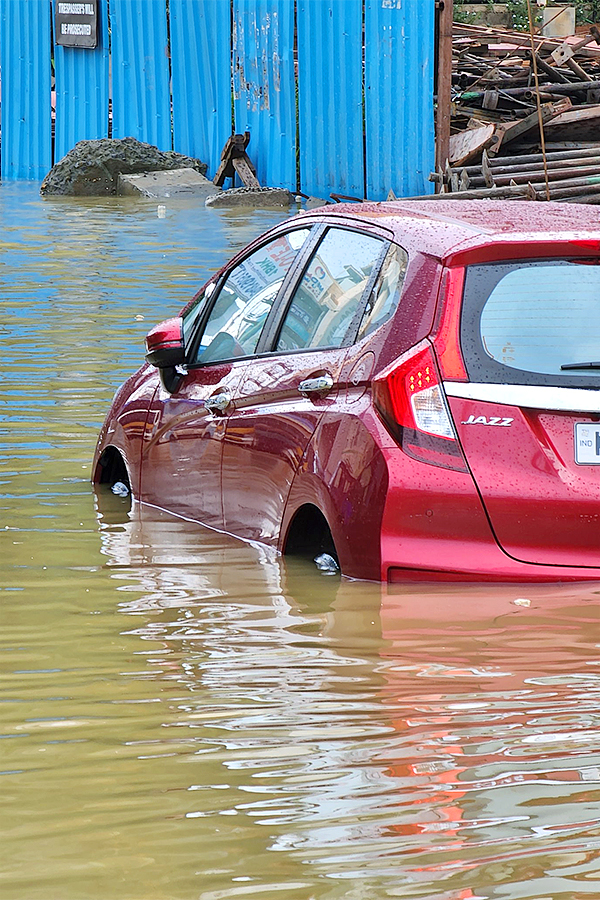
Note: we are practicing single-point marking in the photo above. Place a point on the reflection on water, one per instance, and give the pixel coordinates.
(187, 716)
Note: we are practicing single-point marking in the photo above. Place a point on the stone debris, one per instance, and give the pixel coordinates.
(255, 197)
(92, 168)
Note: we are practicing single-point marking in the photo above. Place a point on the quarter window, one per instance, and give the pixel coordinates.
(245, 298)
(330, 292)
(195, 312)
(386, 293)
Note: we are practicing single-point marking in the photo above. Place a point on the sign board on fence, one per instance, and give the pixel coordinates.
(76, 23)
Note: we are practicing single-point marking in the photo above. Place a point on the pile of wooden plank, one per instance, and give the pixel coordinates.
(496, 144)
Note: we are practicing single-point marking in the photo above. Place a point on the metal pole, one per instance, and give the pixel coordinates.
(502, 179)
(502, 162)
(572, 88)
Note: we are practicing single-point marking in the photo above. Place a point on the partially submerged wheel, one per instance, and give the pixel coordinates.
(309, 537)
(114, 496)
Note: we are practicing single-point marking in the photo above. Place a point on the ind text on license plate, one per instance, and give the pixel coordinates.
(587, 444)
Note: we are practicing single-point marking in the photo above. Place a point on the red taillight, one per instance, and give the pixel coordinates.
(411, 401)
(446, 338)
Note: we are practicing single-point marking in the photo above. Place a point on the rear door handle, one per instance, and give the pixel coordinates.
(319, 385)
(218, 401)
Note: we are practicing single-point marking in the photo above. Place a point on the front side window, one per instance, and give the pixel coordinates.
(331, 290)
(532, 321)
(246, 296)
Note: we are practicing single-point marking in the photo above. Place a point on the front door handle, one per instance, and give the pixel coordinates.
(319, 385)
(218, 401)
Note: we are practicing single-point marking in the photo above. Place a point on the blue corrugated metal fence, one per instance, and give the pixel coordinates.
(25, 68)
(263, 86)
(336, 94)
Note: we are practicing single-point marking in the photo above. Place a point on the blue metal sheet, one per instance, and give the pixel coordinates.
(141, 104)
(201, 77)
(26, 85)
(399, 69)
(81, 90)
(330, 97)
(363, 95)
(263, 86)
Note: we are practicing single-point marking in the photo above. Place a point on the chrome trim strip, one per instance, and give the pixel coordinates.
(530, 396)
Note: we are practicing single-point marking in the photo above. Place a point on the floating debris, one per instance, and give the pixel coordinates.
(326, 564)
(120, 489)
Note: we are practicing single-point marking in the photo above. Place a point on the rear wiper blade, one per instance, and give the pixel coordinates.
(581, 365)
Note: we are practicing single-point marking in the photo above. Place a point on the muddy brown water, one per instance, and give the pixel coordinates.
(186, 716)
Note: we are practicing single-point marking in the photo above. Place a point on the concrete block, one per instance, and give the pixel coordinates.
(172, 183)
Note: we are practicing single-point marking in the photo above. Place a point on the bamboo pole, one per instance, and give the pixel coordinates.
(536, 79)
(444, 82)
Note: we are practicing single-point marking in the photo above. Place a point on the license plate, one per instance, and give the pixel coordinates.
(587, 444)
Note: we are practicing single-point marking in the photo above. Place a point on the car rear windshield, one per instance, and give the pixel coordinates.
(532, 322)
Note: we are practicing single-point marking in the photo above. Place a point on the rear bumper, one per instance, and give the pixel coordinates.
(435, 528)
(513, 573)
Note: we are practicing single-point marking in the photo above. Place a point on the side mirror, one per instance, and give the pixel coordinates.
(164, 344)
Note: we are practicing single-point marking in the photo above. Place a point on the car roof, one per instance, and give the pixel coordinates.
(440, 228)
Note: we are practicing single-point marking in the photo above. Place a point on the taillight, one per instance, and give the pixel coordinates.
(410, 399)
(446, 338)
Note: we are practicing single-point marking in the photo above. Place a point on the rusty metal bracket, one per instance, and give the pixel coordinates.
(504, 134)
(345, 198)
(235, 159)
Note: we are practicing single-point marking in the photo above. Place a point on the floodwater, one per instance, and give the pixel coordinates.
(185, 716)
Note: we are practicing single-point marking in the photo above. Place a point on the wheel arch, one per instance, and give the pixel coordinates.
(308, 534)
(344, 476)
(111, 467)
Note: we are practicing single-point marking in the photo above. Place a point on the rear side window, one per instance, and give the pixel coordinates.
(330, 292)
(532, 322)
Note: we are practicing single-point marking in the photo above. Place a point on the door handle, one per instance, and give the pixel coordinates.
(218, 401)
(319, 385)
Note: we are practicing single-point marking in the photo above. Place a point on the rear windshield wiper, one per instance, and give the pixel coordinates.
(582, 365)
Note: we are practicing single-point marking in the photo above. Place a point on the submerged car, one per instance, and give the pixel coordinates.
(411, 387)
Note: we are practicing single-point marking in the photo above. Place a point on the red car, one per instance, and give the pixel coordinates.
(412, 388)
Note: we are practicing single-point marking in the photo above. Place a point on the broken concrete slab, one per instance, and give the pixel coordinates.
(92, 168)
(254, 197)
(174, 183)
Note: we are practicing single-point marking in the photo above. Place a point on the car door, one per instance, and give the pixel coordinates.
(286, 390)
(181, 463)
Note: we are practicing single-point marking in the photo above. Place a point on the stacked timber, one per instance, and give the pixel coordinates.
(496, 141)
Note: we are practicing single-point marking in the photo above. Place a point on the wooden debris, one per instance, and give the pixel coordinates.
(495, 142)
(469, 144)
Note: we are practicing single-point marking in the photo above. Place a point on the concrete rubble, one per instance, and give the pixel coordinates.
(92, 168)
(260, 197)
